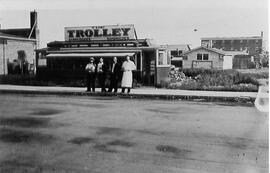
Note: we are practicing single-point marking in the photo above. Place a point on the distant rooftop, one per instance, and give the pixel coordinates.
(14, 37)
(206, 48)
(184, 47)
(232, 38)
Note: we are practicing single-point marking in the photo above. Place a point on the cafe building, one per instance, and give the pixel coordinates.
(66, 60)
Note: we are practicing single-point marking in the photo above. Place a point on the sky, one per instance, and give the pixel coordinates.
(165, 21)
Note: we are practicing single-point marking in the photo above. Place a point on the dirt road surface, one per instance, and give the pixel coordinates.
(55, 134)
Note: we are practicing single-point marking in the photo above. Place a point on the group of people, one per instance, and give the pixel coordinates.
(100, 71)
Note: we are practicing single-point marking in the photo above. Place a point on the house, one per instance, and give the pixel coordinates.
(203, 57)
(17, 48)
(209, 58)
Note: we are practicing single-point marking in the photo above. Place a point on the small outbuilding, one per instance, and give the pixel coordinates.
(17, 48)
(204, 57)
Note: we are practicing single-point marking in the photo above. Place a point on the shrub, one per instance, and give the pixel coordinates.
(216, 80)
(188, 84)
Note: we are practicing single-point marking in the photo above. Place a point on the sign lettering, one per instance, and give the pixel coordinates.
(110, 32)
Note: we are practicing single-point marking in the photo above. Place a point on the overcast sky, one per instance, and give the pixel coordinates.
(165, 21)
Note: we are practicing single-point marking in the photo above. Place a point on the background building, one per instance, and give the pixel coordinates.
(252, 45)
(17, 48)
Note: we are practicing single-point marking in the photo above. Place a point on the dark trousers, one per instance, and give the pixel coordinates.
(101, 81)
(128, 90)
(114, 79)
(91, 81)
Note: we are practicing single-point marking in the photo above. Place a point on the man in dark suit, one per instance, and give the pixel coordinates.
(115, 75)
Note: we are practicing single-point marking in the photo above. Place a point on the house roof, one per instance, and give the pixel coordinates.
(184, 47)
(235, 53)
(231, 38)
(19, 32)
(14, 37)
(206, 48)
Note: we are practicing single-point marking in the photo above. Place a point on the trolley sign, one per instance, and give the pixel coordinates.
(108, 32)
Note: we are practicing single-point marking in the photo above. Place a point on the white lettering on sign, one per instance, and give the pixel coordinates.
(110, 32)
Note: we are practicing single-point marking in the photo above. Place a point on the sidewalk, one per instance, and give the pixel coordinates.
(140, 93)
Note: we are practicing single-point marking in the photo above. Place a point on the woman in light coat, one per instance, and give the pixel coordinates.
(128, 66)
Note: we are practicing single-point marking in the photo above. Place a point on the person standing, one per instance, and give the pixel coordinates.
(101, 71)
(91, 75)
(128, 66)
(115, 71)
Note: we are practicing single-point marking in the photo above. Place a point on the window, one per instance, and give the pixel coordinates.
(174, 53)
(205, 57)
(199, 56)
(220, 58)
(162, 58)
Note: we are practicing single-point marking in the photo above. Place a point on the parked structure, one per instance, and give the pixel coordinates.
(66, 60)
(17, 48)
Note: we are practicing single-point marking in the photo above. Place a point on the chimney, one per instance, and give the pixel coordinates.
(33, 23)
(261, 33)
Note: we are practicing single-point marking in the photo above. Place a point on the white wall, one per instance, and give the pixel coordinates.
(227, 62)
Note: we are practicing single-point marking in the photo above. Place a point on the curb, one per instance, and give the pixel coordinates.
(240, 100)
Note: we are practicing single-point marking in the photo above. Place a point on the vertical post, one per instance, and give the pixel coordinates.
(141, 60)
(4, 57)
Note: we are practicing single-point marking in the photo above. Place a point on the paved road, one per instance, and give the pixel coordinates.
(105, 135)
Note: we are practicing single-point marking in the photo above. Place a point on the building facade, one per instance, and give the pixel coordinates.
(17, 48)
(252, 45)
(66, 60)
(203, 57)
(210, 58)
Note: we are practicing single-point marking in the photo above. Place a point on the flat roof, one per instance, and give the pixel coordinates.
(232, 38)
(68, 55)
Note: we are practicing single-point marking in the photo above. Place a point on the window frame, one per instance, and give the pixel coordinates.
(165, 62)
(201, 58)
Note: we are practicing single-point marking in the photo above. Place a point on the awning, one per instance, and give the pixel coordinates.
(87, 55)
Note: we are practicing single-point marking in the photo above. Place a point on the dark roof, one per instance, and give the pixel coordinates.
(183, 47)
(206, 48)
(232, 38)
(139, 42)
(14, 37)
(18, 32)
